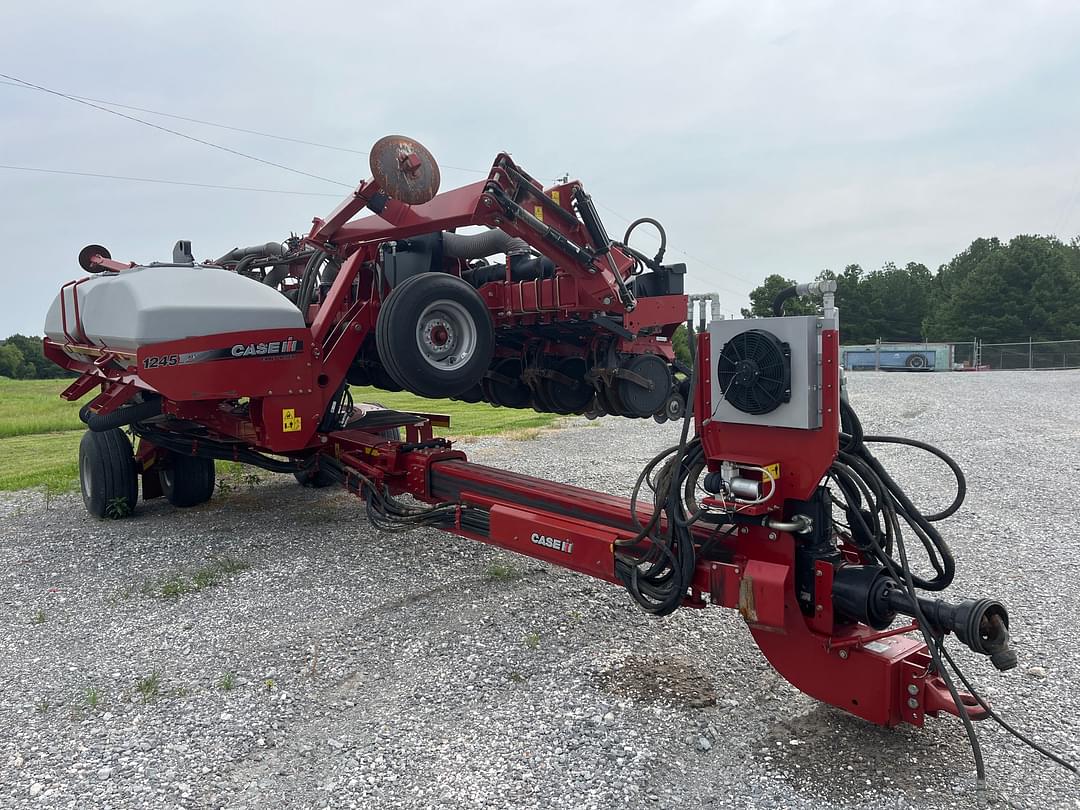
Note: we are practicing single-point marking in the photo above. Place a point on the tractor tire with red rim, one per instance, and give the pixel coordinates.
(186, 480)
(435, 336)
(107, 474)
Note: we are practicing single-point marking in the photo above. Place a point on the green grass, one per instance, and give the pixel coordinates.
(28, 407)
(466, 419)
(40, 433)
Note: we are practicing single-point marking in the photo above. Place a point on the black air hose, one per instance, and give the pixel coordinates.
(258, 251)
(480, 245)
(124, 415)
(781, 298)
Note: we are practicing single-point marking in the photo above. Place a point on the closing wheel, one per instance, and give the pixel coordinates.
(504, 387)
(186, 480)
(638, 400)
(107, 475)
(567, 398)
(435, 336)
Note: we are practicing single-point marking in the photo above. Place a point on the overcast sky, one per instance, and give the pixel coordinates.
(768, 137)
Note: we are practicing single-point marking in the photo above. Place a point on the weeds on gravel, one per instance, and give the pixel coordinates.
(501, 572)
(42, 706)
(149, 687)
(38, 617)
(517, 677)
(180, 583)
(532, 641)
(227, 682)
(117, 508)
(93, 697)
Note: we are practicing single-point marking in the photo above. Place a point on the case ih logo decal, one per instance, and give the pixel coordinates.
(287, 346)
(238, 351)
(565, 546)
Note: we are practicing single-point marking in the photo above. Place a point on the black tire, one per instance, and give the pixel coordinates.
(107, 475)
(450, 318)
(316, 479)
(916, 361)
(186, 480)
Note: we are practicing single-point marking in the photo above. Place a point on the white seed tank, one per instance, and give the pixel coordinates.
(152, 304)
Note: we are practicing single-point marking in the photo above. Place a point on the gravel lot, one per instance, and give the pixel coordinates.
(343, 667)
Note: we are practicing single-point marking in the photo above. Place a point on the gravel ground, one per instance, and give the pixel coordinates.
(335, 666)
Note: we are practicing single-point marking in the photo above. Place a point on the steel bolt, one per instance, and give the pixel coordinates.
(913, 703)
(772, 536)
(817, 573)
(844, 654)
(912, 689)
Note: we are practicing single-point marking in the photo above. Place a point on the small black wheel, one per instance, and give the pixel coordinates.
(186, 480)
(639, 401)
(916, 361)
(107, 475)
(435, 336)
(673, 409)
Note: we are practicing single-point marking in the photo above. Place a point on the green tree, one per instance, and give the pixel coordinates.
(1000, 292)
(681, 346)
(11, 360)
(35, 365)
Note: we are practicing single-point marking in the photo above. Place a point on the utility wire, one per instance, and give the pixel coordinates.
(204, 122)
(690, 256)
(168, 182)
(174, 132)
(15, 81)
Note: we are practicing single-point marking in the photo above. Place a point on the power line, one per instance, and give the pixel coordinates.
(174, 132)
(229, 127)
(168, 182)
(14, 81)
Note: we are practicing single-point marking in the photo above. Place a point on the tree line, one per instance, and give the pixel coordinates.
(1028, 287)
(21, 358)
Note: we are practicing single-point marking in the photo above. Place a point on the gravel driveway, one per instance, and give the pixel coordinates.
(271, 650)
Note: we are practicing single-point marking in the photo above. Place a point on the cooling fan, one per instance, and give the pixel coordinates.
(754, 372)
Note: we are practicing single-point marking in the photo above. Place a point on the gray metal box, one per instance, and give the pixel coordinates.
(801, 333)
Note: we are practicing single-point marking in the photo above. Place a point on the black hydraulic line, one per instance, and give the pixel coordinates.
(659, 257)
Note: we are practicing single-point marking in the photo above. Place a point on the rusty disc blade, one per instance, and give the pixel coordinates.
(404, 169)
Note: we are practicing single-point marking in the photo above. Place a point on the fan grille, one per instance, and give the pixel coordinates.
(754, 372)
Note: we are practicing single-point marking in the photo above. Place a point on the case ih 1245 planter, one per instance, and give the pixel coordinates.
(770, 503)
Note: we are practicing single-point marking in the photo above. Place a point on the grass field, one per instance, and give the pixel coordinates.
(40, 433)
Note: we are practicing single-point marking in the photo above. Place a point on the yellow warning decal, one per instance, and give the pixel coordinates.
(555, 197)
(538, 212)
(773, 470)
(290, 422)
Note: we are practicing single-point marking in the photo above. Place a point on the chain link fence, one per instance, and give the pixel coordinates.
(971, 354)
(1046, 354)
